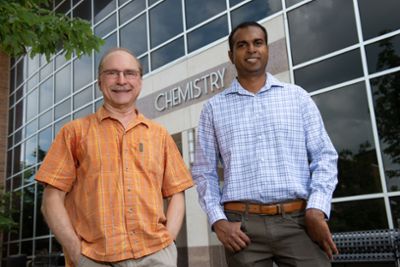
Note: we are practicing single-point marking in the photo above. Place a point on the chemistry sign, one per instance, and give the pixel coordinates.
(187, 92)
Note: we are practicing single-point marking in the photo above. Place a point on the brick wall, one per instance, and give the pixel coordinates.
(4, 90)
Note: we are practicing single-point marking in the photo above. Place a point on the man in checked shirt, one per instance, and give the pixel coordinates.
(280, 167)
(106, 176)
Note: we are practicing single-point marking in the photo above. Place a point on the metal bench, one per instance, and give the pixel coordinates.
(368, 246)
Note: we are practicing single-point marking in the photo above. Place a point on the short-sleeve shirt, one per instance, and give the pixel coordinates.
(116, 180)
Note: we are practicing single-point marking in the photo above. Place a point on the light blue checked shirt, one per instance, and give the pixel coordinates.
(272, 145)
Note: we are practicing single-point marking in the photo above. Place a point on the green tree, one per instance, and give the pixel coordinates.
(30, 26)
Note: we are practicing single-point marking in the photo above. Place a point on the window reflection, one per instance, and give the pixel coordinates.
(20, 72)
(165, 21)
(30, 152)
(31, 128)
(63, 83)
(207, 33)
(11, 121)
(32, 105)
(82, 72)
(28, 208)
(199, 11)
(83, 10)
(379, 17)
(290, 3)
(41, 226)
(62, 109)
(255, 10)
(331, 71)
(46, 94)
(110, 42)
(386, 94)
(42, 247)
(17, 159)
(133, 35)
(102, 8)
(167, 53)
(384, 54)
(317, 23)
(83, 97)
(144, 61)
(19, 111)
(29, 175)
(349, 127)
(16, 206)
(83, 112)
(45, 119)
(395, 207)
(106, 26)
(354, 216)
(131, 10)
(58, 125)
(45, 139)
(234, 2)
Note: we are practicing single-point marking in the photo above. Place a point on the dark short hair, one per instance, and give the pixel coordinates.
(115, 49)
(245, 25)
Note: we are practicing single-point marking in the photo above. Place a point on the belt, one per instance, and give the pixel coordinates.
(267, 209)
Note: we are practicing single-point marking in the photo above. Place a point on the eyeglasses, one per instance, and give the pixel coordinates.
(128, 74)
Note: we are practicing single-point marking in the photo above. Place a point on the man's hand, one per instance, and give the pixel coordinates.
(319, 232)
(230, 235)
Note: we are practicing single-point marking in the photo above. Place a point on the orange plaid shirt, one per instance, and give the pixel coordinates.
(115, 181)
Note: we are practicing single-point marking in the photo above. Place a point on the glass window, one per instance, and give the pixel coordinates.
(110, 42)
(83, 97)
(386, 94)
(14, 248)
(144, 61)
(199, 11)
(234, 2)
(28, 208)
(384, 54)
(379, 17)
(83, 10)
(32, 105)
(33, 81)
(121, 2)
(29, 175)
(18, 136)
(62, 109)
(290, 3)
(17, 181)
(83, 112)
(102, 8)
(45, 119)
(58, 125)
(20, 93)
(41, 226)
(152, 2)
(12, 80)
(354, 216)
(64, 7)
(30, 152)
(11, 100)
(131, 10)
(167, 53)
(46, 94)
(208, 33)
(331, 71)
(31, 128)
(20, 72)
(255, 10)
(63, 83)
(11, 120)
(106, 26)
(46, 71)
(315, 29)
(349, 127)
(33, 65)
(9, 163)
(133, 35)
(19, 111)
(16, 208)
(41, 245)
(98, 104)
(395, 207)
(82, 72)
(165, 21)
(45, 140)
(60, 60)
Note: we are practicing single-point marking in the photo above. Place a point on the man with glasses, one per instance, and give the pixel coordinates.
(106, 176)
(279, 164)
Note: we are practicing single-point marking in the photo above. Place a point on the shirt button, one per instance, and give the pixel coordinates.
(129, 190)
(130, 210)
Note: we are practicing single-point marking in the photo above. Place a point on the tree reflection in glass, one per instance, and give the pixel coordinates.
(386, 93)
(349, 127)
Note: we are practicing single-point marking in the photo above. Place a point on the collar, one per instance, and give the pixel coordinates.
(236, 88)
(103, 114)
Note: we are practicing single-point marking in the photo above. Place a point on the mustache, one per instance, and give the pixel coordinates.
(121, 88)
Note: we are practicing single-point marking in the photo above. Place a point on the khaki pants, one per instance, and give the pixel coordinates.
(280, 238)
(166, 257)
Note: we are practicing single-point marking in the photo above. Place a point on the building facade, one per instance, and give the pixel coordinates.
(345, 53)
